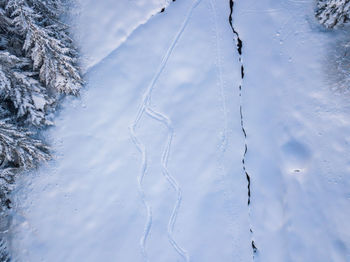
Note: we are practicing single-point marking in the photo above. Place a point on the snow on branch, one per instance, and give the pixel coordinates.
(4, 256)
(38, 63)
(47, 43)
(26, 94)
(333, 13)
(19, 149)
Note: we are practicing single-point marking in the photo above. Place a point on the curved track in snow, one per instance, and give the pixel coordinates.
(146, 109)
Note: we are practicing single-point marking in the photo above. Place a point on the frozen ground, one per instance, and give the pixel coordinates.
(149, 159)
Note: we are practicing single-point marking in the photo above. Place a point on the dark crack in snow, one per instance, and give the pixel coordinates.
(239, 47)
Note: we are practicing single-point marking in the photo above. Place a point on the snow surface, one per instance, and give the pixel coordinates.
(170, 86)
(298, 134)
(101, 27)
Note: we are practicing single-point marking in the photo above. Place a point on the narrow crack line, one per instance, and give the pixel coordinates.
(239, 48)
(145, 108)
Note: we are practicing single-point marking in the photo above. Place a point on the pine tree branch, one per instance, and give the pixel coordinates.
(19, 149)
(49, 46)
(333, 13)
(28, 96)
(38, 61)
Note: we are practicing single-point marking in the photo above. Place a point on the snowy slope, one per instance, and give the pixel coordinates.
(87, 205)
(149, 159)
(298, 133)
(102, 27)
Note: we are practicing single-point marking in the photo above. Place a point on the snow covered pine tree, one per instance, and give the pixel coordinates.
(333, 13)
(38, 64)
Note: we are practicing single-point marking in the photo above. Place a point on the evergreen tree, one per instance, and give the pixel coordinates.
(22, 92)
(19, 152)
(333, 13)
(38, 63)
(47, 43)
(4, 255)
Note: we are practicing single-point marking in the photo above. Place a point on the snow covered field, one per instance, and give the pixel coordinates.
(149, 159)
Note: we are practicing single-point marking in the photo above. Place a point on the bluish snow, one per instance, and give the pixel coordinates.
(149, 158)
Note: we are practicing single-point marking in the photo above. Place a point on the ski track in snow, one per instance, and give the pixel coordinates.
(165, 156)
(145, 108)
(140, 178)
(239, 46)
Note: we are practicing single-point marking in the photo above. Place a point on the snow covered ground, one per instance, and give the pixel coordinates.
(101, 28)
(149, 159)
(298, 133)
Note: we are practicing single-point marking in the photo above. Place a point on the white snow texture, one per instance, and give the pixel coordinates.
(149, 158)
